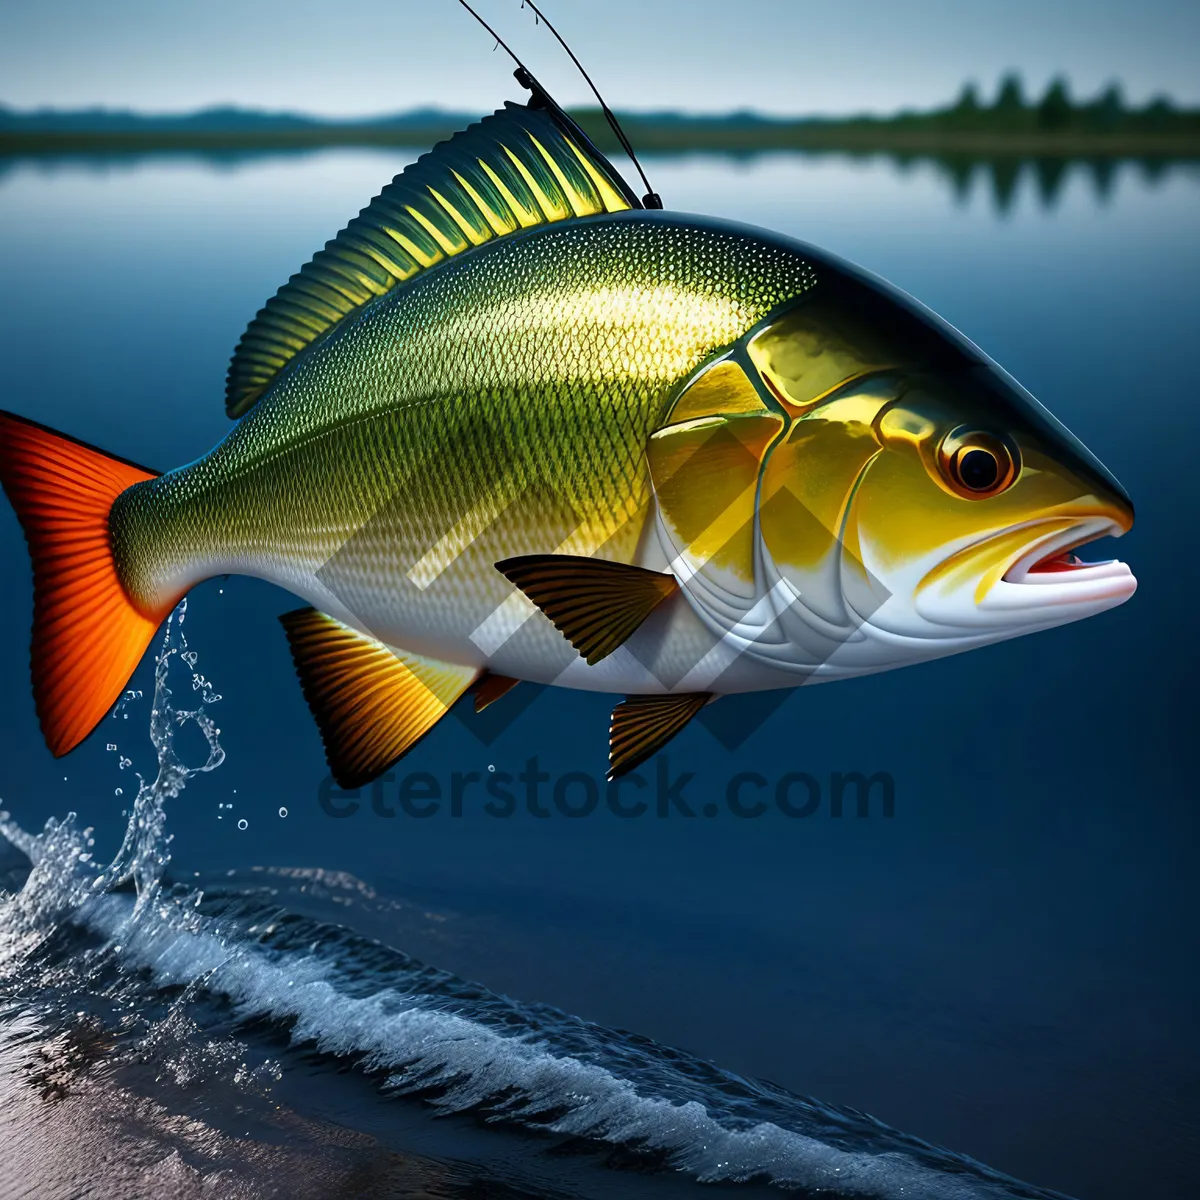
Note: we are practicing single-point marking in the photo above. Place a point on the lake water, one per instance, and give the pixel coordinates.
(1005, 967)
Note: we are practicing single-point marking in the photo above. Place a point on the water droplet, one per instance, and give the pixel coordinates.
(243, 823)
(283, 812)
(491, 766)
(118, 792)
(111, 746)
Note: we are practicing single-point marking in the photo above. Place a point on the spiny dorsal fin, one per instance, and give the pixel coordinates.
(372, 704)
(517, 168)
(596, 604)
(642, 725)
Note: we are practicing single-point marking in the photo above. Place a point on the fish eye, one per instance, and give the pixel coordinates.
(977, 465)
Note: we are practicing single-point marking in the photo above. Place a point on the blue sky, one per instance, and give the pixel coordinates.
(785, 56)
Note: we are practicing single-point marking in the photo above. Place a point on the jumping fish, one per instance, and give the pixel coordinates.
(512, 424)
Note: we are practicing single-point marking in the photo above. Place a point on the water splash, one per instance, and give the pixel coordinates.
(161, 974)
(145, 851)
(64, 880)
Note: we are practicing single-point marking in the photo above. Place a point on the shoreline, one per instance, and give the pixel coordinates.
(851, 137)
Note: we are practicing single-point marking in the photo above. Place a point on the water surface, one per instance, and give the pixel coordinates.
(1005, 967)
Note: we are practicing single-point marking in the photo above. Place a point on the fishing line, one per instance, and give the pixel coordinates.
(499, 40)
(528, 80)
(652, 199)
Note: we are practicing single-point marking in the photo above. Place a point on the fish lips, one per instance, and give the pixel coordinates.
(1058, 576)
(1027, 577)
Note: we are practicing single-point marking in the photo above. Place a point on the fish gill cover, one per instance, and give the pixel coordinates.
(224, 988)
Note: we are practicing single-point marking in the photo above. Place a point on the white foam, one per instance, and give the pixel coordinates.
(407, 1032)
(472, 1062)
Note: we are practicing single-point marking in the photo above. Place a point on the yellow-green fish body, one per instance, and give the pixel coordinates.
(499, 406)
(511, 426)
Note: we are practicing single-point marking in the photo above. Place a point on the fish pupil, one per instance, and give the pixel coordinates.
(979, 470)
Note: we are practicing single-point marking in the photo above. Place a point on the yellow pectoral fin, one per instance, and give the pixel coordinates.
(372, 704)
(594, 603)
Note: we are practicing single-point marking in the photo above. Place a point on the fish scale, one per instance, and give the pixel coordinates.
(540, 363)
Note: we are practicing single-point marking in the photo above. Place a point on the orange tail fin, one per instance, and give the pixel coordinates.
(87, 635)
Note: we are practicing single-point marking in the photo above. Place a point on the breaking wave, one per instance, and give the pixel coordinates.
(228, 987)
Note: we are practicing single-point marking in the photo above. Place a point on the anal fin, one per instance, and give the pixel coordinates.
(491, 688)
(371, 703)
(594, 603)
(642, 725)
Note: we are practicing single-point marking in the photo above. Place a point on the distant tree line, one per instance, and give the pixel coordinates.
(1057, 112)
(1010, 124)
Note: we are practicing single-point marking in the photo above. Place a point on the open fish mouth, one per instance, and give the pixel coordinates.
(1028, 577)
(1051, 562)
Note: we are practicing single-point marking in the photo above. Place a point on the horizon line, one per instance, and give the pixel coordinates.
(438, 111)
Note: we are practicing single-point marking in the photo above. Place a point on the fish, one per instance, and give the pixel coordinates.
(514, 425)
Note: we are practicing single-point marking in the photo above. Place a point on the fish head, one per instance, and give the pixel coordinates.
(920, 501)
(972, 510)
